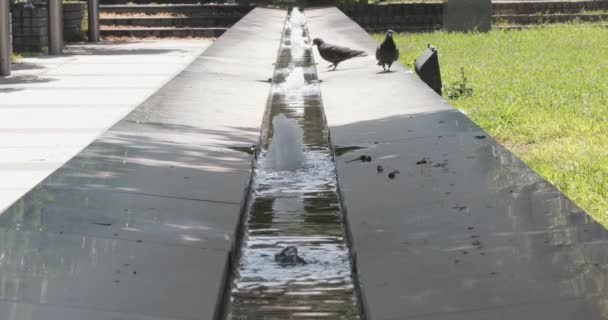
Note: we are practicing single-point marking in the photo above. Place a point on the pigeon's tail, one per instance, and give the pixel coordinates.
(357, 53)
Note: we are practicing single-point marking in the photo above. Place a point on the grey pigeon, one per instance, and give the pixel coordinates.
(387, 52)
(335, 54)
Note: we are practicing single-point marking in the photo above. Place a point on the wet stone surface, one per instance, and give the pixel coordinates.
(465, 231)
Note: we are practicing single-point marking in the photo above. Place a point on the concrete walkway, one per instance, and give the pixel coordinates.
(465, 230)
(52, 107)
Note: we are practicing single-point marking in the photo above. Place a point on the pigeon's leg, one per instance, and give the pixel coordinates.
(335, 66)
(383, 67)
(329, 66)
(389, 66)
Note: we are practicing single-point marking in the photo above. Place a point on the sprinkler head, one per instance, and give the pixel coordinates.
(380, 169)
(289, 256)
(368, 158)
(393, 174)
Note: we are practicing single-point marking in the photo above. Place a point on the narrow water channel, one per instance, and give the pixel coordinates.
(294, 208)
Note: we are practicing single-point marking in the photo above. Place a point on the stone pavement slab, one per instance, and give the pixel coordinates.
(160, 194)
(131, 277)
(52, 107)
(13, 310)
(465, 230)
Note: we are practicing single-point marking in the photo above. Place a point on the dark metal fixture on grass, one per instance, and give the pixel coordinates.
(427, 68)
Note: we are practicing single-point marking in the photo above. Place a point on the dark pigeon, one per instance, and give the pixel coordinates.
(289, 257)
(335, 54)
(387, 52)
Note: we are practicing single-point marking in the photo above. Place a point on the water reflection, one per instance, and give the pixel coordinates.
(297, 208)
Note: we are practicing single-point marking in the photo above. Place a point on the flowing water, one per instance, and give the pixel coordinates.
(294, 203)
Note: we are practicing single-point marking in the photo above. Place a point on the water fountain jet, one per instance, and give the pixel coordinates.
(297, 19)
(297, 43)
(294, 82)
(285, 152)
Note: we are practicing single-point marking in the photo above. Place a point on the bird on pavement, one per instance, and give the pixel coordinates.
(335, 54)
(387, 52)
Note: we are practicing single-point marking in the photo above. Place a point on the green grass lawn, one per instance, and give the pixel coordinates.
(543, 93)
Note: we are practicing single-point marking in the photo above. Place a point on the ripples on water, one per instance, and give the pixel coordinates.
(298, 208)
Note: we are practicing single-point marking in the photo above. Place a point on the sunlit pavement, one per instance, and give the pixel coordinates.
(53, 106)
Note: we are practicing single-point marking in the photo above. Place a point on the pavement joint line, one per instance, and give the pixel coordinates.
(101, 310)
(135, 62)
(145, 194)
(72, 105)
(54, 146)
(62, 130)
(57, 88)
(145, 240)
(30, 165)
(110, 74)
(408, 139)
(506, 306)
